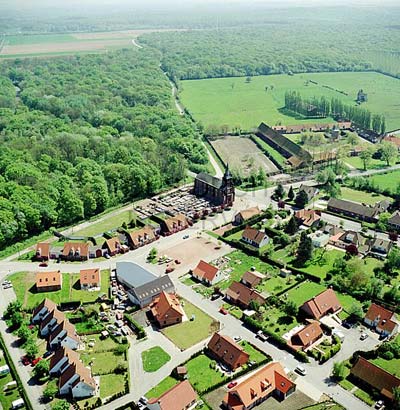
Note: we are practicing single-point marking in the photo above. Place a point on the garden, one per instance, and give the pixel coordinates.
(154, 358)
(197, 328)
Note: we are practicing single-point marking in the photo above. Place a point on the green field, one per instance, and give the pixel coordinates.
(39, 39)
(389, 180)
(233, 101)
(161, 387)
(154, 358)
(361, 196)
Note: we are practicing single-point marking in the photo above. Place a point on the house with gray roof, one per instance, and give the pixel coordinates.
(394, 221)
(354, 210)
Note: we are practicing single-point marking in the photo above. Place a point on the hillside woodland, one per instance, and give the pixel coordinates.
(82, 133)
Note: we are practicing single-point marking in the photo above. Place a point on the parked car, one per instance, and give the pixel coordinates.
(231, 385)
(379, 404)
(43, 265)
(143, 400)
(300, 370)
(215, 296)
(8, 286)
(237, 338)
(25, 360)
(47, 354)
(262, 336)
(363, 336)
(223, 311)
(169, 270)
(185, 236)
(177, 261)
(36, 361)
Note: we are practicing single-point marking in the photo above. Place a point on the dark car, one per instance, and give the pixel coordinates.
(47, 354)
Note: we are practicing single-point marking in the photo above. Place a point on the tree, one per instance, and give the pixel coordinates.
(291, 227)
(31, 349)
(61, 405)
(388, 152)
(338, 370)
(396, 398)
(290, 308)
(355, 312)
(152, 254)
(291, 193)
(24, 333)
(304, 250)
(301, 199)
(366, 157)
(51, 390)
(393, 260)
(41, 369)
(279, 192)
(352, 138)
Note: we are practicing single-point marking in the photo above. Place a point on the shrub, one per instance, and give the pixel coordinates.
(388, 355)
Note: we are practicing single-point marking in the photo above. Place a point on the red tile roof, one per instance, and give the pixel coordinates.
(204, 270)
(376, 377)
(306, 336)
(47, 303)
(307, 216)
(393, 139)
(81, 248)
(244, 295)
(43, 249)
(249, 213)
(227, 350)
(176, 221)
(259, 385)
(252, 278)
(89, 276)
(146, 234)
(178, 397)
(62, 352)
(46, 279)
(113, 244)
(320, 305)
(165, 306)
(384, 317)
(253, 235)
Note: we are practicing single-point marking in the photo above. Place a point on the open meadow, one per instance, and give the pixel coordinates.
(238, 103)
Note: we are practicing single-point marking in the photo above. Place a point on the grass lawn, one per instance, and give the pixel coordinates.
(201, 375)
(361, 196)
(101, 344)
(320, 264)
(347, 301)
(357, 163)
(191, 332)
(388, 180)
(6, 398)
(327, 405)
(235, 102)
(304, 291)
(24, 287)
(111, 384)
(347, 384)
(106, 224)
(154, 358)
(391, 366)
(255, 354)
(161, 387)
(276, 321)
(364, 396)
(102, 363)
(275, 284)
(280, 159)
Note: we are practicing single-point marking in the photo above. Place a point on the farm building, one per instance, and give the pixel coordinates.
(296, 156)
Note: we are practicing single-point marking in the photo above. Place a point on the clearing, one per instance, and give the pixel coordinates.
(242, 154)
(389, 180)
(361, 196)
(242, 104)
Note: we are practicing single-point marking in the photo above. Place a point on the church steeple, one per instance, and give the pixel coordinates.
(227, 175)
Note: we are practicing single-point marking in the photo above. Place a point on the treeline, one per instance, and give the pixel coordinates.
(322, 107)
(87, 133)
(263, 49)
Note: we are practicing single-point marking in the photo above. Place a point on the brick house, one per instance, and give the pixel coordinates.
(324, 303)
(179, 397)
(90, 278)
(48, 281)
(242, 295)
(381, 319)
(206, 273)
(75, 251)
(167, 310)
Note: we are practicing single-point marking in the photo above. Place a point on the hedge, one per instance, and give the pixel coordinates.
(139, 330)
(15, 374)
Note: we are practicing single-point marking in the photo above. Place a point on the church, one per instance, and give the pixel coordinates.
(216, 190)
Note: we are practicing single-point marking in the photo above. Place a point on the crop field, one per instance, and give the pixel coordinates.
(238, 103)
(60, 44)
(243, 154)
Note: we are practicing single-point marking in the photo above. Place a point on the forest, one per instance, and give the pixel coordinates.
(80, 134)
(279, 48)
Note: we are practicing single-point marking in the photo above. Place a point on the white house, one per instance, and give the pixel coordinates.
(206, 273)
(319, 239)
(254, 237)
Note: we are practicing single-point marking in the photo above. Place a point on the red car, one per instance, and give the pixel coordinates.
(43, 265)
(177, 261)
(25, 360)
(223, 311)
(36, 361)
(231, 385)
(169, 270)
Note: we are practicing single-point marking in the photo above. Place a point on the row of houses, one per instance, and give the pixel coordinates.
(82, 251)
(49, 281)
(74, 378)
(299, 128)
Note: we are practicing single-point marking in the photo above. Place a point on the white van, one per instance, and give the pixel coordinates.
(301, 370)
(17, 404)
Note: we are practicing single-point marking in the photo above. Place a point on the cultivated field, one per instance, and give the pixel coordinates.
(236, 102)
(59, 44)
(243, 154)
